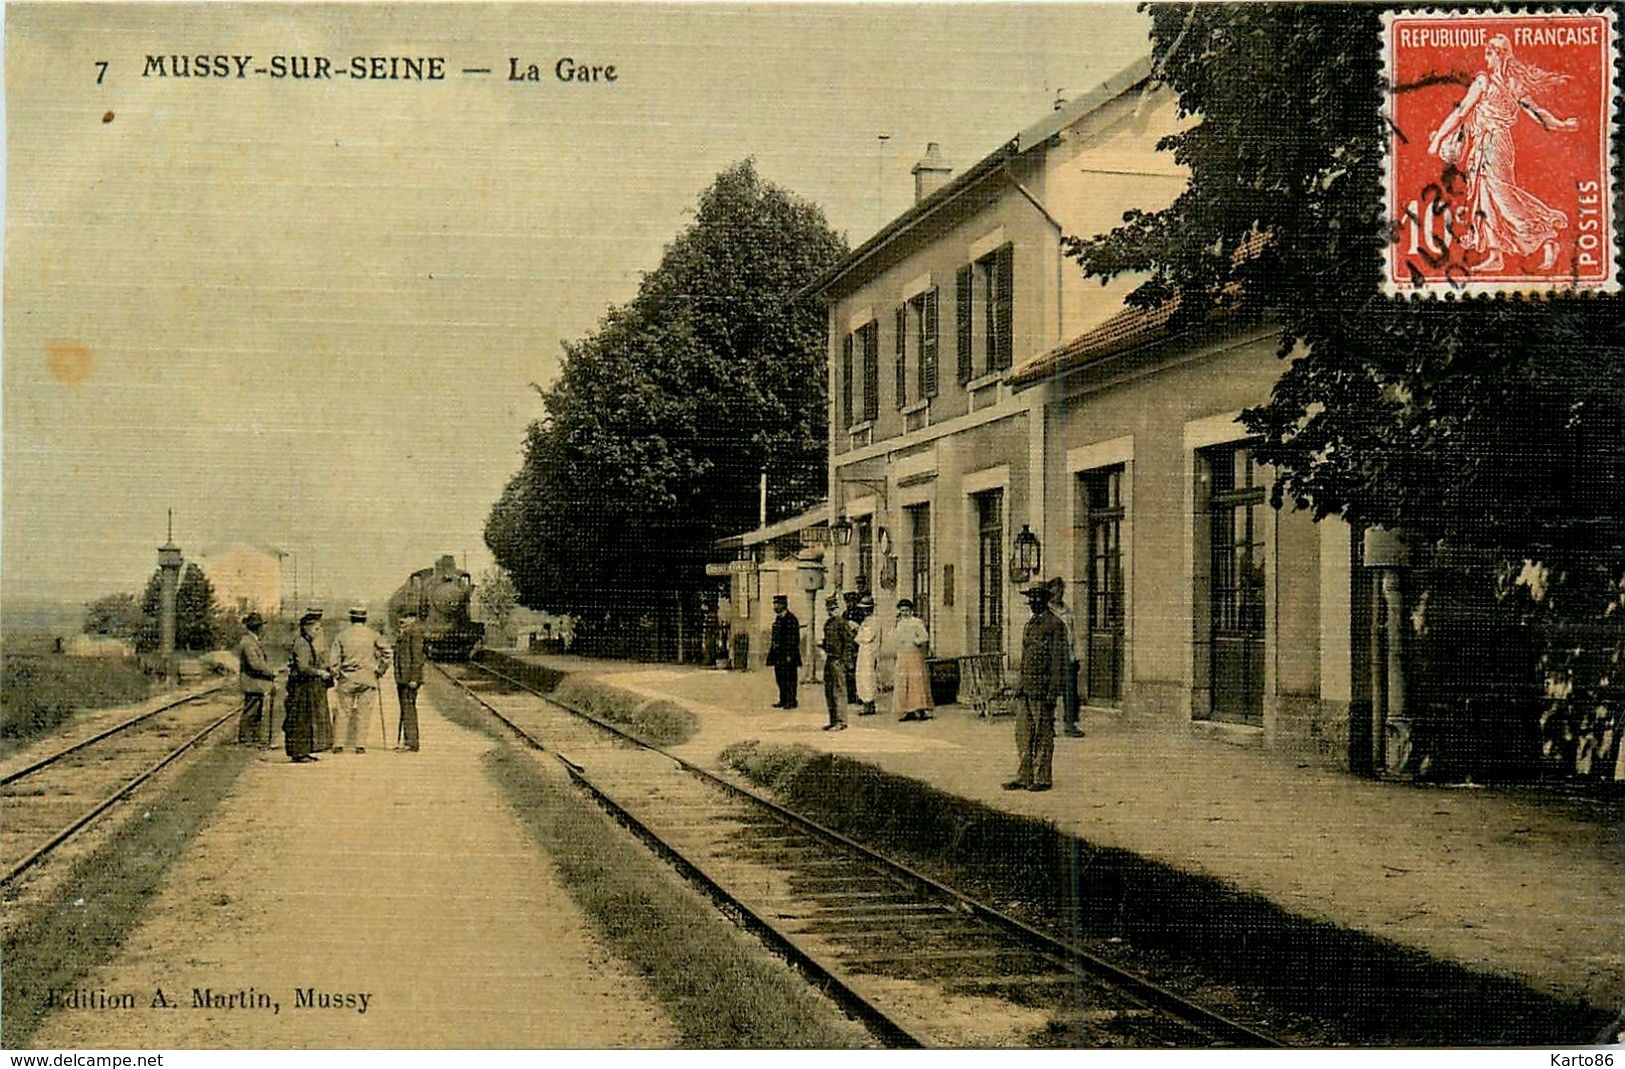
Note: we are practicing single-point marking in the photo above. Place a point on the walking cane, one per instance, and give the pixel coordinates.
(383, 729)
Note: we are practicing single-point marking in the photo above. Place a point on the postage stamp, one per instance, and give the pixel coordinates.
(1500, 152)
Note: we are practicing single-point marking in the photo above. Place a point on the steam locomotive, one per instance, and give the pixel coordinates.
(440, 596)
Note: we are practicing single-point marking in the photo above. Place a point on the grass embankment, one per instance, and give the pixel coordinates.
(101, 899)
(654, 720)
(40, 691)
(1300, 979)
(722, 989)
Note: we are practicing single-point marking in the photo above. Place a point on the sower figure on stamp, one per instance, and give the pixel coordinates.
(1043, 679)
(359, 658)
(784, 651)
(308, 680)
(1476, 137)
(257, 677)
(409, 661)
(840, 649)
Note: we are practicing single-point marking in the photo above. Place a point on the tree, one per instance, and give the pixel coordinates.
(1491, 432)
(654, 436)
(498, 598)
(195, 612)
(115, 615)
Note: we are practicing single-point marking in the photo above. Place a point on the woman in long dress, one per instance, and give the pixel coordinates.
(912, 698)
(305, 710)
(868, 639)
(1502, 216)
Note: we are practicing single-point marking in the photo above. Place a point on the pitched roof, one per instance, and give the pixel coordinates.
(1039, 133)
(1127, 329)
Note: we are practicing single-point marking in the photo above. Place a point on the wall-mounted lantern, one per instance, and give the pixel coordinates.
(1028, 554)
(840, 532)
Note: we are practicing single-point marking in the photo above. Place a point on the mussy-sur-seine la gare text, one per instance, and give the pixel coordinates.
(365, 68)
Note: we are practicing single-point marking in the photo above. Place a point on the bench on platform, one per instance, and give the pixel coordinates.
(982, 685)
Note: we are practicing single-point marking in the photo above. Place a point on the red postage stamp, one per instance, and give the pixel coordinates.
(1500, 152)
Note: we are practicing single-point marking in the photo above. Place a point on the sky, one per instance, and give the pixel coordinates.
(309, 313)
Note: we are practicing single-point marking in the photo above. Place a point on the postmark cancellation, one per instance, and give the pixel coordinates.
(1500, 138)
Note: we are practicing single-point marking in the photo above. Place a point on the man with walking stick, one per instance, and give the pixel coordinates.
(358, 660)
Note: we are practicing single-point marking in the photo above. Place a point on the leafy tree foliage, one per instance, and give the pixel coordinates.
(654, 435)
(1492, 432)
(116, 616)
(498, 598)
(195, 612)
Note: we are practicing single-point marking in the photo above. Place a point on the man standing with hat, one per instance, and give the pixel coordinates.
(784, 651)
(1044, 657)
(258, 679)
(359, 658)
(409, 661)
(840, 651)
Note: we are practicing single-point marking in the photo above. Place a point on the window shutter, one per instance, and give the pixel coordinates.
(902, 355)
(1004, 273)
(846, 381)
(962, 288)
(928, 344)
(871, 370)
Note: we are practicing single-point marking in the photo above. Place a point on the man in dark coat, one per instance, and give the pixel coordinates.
(409, 660)
(308, 680)
(840, 651)
(1044, 662)
(784, 651)
(853, 616)
(257, 677)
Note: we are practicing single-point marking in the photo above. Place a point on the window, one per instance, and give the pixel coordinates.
(869, 341)
(995, 279)
(919, 527)
(1235, 514)
(866, 553)
(902, 356)
(846, 381)
(923, 314)
(990, 571)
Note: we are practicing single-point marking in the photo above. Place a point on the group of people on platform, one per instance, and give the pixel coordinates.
(850, 640)
(353, 667)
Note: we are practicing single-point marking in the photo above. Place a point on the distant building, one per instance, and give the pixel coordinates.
(786, 558)
(245, 577)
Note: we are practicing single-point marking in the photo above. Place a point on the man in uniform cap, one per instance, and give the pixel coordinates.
(784, 651)
(409, 661)
(854, 616)
(258, 678)
(359, 658)
(1044, 661)
(840, 651)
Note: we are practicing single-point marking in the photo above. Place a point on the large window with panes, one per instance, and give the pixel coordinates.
(919, 531)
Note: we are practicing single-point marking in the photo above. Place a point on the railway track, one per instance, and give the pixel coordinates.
(48, 802)
(919, 962)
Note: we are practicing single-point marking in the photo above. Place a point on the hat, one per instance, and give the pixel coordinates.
(781, 597)
(253, 620)
(310, 616)
(851, 597)
(867, 601)
(1037, 592)
(358, 612)
(832, 602)
(904, 603)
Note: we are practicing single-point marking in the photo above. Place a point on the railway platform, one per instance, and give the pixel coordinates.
(1516, 884)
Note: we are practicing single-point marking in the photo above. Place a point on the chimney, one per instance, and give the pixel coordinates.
(931, 173)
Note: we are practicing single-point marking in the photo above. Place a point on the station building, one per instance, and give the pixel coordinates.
(984, 394)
